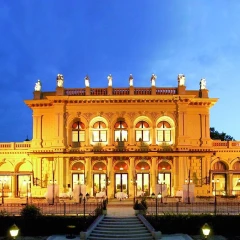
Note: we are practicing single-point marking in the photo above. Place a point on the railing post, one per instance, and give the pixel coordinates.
(177, 206)
(64, 208)
(84, 208)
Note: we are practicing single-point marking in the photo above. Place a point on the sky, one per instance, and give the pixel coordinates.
(41, 38)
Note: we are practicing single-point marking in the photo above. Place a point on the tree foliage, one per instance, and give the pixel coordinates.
(214, 134)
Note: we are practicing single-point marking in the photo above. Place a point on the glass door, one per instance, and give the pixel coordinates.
(121, 182)
(78, 178)
(143, 184)
(23, 185)
(99, 183)
(165, 178)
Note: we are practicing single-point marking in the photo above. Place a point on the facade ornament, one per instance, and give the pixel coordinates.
(130, 80)
(38, 86)
(181, 80)
(87, 81)
(203, 84)
(109, 80)
(153, 79)
(60, 80)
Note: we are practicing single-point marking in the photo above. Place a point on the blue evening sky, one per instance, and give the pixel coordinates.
(41, 38)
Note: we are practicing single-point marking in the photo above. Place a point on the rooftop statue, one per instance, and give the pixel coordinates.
(109, 80)
(130, 80)
(87, 81)
(181, 80)
(153, 79)
(60, 80)
(38, 86)
(203, 84)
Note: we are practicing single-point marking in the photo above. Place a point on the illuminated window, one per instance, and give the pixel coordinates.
(164, 132)
(99, 133)
(120, 131)
(78, 133)
(142, 132)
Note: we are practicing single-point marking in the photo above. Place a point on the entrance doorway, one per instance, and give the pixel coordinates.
(121, 183)
(78, 178)
(24, 185)
(165, 178)
(143, 184)
(99, 183)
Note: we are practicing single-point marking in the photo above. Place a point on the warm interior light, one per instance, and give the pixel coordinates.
(142, 168)
(100, 169)
(121, 168)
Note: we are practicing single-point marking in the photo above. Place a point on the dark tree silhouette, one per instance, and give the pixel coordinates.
(214, 134)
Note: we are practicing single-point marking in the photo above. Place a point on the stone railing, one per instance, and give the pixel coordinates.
(119, 91)
(75, 92)
(226, 144)
(166, 91)
(15, 145)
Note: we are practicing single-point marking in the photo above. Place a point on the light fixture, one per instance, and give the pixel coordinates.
(14, 231)
(142, 168)
(121, 168)
(206, 230)
(100, 169)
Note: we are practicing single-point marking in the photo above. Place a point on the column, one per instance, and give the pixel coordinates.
(131, 176)
(154, 171)
(110, 174)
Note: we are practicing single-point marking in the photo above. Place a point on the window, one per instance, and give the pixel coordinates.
(164, 132)
(142, 132)
(78, 133)
(120, 131)
(99, 133)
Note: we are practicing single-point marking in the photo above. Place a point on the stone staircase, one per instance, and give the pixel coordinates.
(127, 228)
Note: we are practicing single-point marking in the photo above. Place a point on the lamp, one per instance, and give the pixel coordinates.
(14, 231)
(206, 230)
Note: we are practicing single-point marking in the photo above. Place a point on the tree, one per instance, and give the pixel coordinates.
(214, 134)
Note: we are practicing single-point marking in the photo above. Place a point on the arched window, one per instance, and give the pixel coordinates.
(120, 131)
(142, 131)
(99, 132)
(164, 132)
(78, 133)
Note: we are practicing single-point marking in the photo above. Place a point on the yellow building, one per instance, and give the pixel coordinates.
(120, 140)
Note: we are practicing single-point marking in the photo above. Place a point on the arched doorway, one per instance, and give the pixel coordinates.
(143, 179)
(121, 177)
(99, 178)
(164, 175)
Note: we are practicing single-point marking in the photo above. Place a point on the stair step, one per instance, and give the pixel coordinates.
(114, 238)
(117, 235)
(127, 231)
(111, 228)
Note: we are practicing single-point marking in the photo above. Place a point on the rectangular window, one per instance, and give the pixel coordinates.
(164, 135)
(78, 136)
(120, 135)
(142, 135)
(99, 136)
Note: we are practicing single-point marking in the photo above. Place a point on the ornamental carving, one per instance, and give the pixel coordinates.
(87, 116)
(131, 115)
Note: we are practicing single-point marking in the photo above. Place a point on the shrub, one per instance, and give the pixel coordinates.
(30, 211)
(136, 205)
(144, 203)
(104, 204)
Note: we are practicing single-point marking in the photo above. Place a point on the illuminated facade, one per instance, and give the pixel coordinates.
(120, 140)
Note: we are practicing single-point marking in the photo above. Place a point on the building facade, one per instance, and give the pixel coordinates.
(120, 140)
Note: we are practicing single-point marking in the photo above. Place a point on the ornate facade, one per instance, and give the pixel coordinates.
(120, 140)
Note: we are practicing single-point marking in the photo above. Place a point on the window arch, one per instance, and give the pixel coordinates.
(78, 133)
(164, 132)
(99, 132)
(120, 131)
(142, 132)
